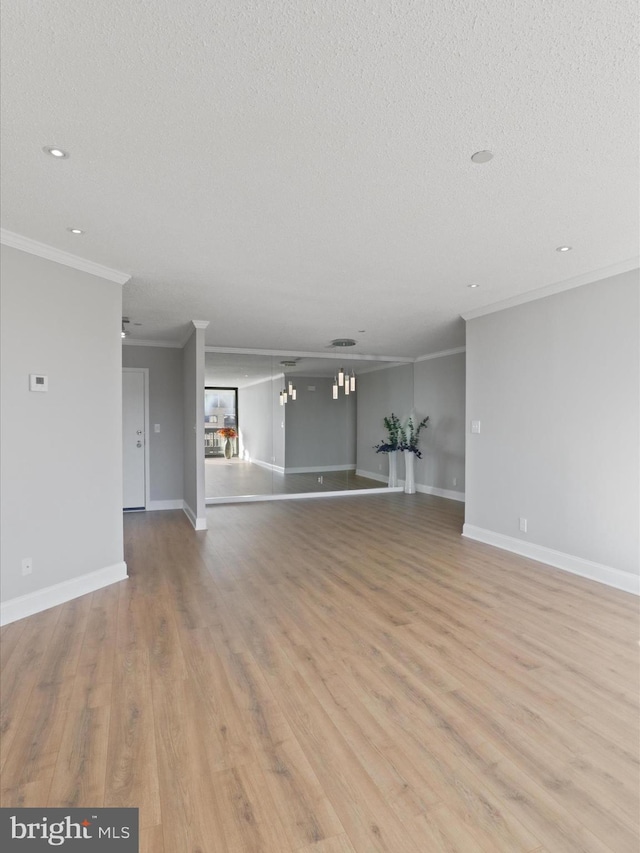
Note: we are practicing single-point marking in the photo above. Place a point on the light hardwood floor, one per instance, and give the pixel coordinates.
(329, 677)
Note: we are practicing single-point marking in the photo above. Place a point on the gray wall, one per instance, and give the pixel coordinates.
(61, 455)
(439, 391)
(320, 431)
(255, 420)
(380, 393)
(165, 408)
(555, 384)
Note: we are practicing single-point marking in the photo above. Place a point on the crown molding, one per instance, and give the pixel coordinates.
(128, 342)
(341, 356)
(195, 325)
(441, 354)
(42, 250)
(551, 289)
(375, 368)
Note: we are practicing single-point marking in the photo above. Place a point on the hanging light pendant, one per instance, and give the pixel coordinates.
(344, 380)
(293, 392)
(290, 387)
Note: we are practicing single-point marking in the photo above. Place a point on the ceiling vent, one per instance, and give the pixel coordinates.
(288, 363)
(343, 342)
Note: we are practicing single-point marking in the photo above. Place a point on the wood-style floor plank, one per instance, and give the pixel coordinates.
(338, 676)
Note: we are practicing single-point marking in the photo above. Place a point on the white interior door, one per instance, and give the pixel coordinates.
(133, 439)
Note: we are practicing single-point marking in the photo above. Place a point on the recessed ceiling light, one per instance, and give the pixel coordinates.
(75, 230)
(473, 285)
(342, 342)
(482, 156)
(55, 152)
(563, 249)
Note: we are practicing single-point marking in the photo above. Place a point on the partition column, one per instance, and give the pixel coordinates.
(193, 376)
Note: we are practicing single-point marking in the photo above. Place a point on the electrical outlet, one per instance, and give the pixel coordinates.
(156, 427)
(27, 565)
(523, 525)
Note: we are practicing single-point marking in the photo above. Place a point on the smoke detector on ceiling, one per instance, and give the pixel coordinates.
(343, 342)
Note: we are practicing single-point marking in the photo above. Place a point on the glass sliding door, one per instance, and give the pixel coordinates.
(220, 416)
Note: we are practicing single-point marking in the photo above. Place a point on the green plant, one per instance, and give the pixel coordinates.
(411, 436)
(394, 435)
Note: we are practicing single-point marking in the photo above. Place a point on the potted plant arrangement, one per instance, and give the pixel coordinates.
(229, 434)
(402, 438)
(410, 438)
(391, 446)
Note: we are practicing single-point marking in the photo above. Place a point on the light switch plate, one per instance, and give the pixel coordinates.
(38, 382)
(475, 427)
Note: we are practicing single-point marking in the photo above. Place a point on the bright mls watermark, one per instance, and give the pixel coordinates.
(79, 830)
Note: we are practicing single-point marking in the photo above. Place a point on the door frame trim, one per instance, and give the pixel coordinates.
(147, 434)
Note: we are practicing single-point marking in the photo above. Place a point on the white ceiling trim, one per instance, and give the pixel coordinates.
(376, 367)
(255, 382)
(441, 354)
(344, 356)
(558, 287)
(127, 342)
(42, 250)
(197, 324)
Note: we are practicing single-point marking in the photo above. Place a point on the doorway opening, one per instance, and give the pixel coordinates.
(220, 415)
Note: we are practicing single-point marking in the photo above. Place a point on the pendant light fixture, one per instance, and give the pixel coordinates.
(343, 380)
(289, 392)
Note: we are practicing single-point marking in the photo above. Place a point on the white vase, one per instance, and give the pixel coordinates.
(409, 474)
(393, 469)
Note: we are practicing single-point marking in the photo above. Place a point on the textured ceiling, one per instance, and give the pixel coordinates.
(299, 171)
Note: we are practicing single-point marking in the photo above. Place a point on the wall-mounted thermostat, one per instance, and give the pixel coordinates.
(38, 382)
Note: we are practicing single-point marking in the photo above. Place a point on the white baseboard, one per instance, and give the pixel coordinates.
(199, 523)
(318, 469)
(441, 493)
(277, 468)
(370, 475)
(155, 506)
(558, 559)
(60, 593)
(426, 490)
(347, 493)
